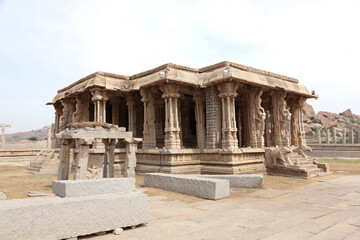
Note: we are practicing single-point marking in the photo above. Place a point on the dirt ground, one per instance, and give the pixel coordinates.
(15, 181)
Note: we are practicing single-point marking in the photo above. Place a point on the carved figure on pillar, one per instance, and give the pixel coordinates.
(260, 117)
(81, 113)
(229, 130)
(285, 118)
(149, 133)
(68, 110)
(172, 127)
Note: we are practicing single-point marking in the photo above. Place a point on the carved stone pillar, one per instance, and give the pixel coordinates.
(64, 164)
(68, 110)
(229, 130)
(301, 130)
(172, 127)
(334, 135)
(130, 157)
(296, 124)
(199, 100)
(259, 116)
(82, 158)
(318, 134)
(99, 98)
(81, 113)
(328, 137)
(48, 136)
(109, 157)
(344, 136)
(149, 133)
(3, 126)
(130, 101)
(352, 136)
(115, 111)
(282, 120)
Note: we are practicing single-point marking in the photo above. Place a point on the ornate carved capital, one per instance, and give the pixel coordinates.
(170, 91)
(228, 89)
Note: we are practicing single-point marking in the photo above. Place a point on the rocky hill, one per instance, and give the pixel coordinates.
(35, 135)
(322, 119)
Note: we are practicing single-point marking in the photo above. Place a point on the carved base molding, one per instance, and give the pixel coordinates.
(190, 161)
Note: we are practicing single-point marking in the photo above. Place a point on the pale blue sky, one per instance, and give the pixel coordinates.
(46, 45)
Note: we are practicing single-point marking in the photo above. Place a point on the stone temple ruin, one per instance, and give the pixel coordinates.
(226, 118)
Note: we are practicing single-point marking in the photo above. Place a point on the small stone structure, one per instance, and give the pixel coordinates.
(3, 126)
(80, 207)
(45, 162)
(86, 134)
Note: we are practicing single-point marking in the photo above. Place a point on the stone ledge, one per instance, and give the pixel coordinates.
(191, 185)
(87, 187)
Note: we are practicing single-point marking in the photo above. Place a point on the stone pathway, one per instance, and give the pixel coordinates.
(326, 210)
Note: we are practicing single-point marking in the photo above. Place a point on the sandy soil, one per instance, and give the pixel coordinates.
(15, 181)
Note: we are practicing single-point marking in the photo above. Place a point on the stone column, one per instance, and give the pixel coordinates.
(301, 131)
(172, 127)
(229, 130)
(130, 101)
(213, 118)
(328, 137)
(99, 98)
(3, 126)
(68, 110)
(109, 157)
(81, 113)
(344, 136)
(239, 124)
(260, 116)
(352, 136)
(81, 164)
(58, 113)
(115, 111)
(149, 133)
(130, 157)
(282, 118)
(334, 135)
(64, 164)
(318, 134)
(199, 100)
(48, 136)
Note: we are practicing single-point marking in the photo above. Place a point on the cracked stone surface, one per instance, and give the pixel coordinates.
(329, 209)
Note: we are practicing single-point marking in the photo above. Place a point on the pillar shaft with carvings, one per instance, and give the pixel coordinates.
(81, 113)
(67, 112)
(199, 100)
(344, 136)
(229, 130)
(258, 115)
(172, 127)
(334, 135)
(130, 102)
(149, 132)
(99, 98)
(328, 137)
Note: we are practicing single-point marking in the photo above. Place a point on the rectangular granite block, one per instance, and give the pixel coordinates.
(87, 187)
(61, 218)
(241, 180)
(190, 185)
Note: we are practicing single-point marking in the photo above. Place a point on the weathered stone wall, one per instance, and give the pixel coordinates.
(213, 118)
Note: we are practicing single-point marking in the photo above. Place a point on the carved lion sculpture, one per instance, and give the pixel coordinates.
(302, 150)
(279, 156)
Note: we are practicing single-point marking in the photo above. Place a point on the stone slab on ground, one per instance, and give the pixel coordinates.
(87, 187)
(191, 185)
(241, 180)
(59, 218)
